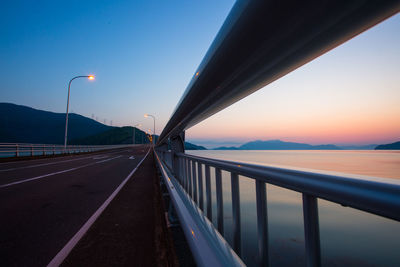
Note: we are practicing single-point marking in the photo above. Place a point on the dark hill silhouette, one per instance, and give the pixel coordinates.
(392, 146)
(190, 146)
(114, 136)
(123, 135)
(227, 148)
(279, 145)
(21, 124)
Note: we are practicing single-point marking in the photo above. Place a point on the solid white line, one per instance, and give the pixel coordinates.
(52, 163)
(54, 173)
(60, 257)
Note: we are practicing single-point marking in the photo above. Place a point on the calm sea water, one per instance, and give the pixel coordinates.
(348, 237)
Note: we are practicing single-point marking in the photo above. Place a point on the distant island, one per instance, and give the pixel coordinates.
(283, 145)
(22, 124)
(392, 146)
(279, 145)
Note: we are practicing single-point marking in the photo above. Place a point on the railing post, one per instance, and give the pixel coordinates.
(311, 231)
(31, 150)
(190, 191)
(208, 192)
(194, 176)
(44, 150)
(201, 193)
(16, 150)
(220, 206)
(177, 146)
(183, 166)
(262, 223)
(180, 176)
(54, 149)
(236, 212)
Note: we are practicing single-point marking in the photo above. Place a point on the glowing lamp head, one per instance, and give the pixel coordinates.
(91, 77)
(146, 115)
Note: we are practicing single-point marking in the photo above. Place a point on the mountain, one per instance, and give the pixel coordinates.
(279, 145)
(392, 146)
(21, 124)
(190, 146)
(363, 147)
(113, 136)
(226, 148)
(122, 135)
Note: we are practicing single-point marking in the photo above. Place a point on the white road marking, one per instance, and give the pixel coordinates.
(43, 164)
(131, 157)
(52, 163)
(100, 157)
(60, 257)
(108, 159)
(54, 173)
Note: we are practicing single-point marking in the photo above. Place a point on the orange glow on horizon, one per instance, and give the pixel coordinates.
(362, 129)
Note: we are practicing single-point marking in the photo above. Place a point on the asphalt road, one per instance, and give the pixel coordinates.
(44, 202)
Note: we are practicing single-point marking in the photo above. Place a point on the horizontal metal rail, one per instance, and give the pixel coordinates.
(8, 150)
(374, 197)
(261, 41)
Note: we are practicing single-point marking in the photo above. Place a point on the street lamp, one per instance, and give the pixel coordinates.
(134, 132)
(90, 77)
(154, 128)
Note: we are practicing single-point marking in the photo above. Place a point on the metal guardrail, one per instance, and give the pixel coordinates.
(24, 150)
(373, 197)
(260, 42)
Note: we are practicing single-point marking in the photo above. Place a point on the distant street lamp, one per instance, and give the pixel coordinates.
(154, 128)
(90, 77)
(134, 132)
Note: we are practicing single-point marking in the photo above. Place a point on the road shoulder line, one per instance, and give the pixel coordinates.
(63, 253)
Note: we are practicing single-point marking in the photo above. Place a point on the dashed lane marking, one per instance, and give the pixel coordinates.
(57, 162)
(54, 173)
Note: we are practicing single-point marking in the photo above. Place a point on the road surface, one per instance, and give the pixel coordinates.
(45, 202)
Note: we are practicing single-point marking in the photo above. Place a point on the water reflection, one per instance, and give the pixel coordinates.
(348, 237)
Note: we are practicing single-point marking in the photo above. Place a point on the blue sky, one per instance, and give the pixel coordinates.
(144, 53)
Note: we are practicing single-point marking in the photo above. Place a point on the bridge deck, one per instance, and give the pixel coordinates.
(132, 229)
(47, 202)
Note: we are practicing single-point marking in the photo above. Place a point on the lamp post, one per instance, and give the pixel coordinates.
(134, 132)
(90, 77)
(154, 128)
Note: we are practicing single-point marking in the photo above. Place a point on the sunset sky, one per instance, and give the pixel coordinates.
(143, 55)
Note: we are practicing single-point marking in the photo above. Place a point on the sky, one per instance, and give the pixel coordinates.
(144, 53)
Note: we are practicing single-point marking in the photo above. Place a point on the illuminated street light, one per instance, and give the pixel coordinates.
(90, 77)
(154, 128)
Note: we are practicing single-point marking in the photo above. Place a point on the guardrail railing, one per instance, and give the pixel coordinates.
(260, 42)
(23, 150)
(193, 173)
